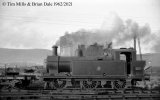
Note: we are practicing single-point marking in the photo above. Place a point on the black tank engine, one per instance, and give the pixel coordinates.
(94, 67)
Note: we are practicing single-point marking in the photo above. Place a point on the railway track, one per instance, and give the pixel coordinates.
(85, 95)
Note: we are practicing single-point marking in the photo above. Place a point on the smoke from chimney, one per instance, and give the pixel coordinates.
(121, 34)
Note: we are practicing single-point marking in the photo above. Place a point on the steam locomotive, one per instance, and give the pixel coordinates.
(94, 67)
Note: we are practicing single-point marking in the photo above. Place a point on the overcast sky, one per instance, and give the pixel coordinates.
(40, 27)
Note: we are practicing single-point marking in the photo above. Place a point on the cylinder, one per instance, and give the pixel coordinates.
(55, 50)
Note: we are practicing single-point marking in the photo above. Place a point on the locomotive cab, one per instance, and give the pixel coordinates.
(134, 67)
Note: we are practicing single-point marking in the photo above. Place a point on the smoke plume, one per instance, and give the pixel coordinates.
(120, 32)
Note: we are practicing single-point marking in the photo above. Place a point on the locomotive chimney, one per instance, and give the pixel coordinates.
(55, 50)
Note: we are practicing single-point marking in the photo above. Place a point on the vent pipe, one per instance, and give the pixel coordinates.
(134, 39)
(80, 50)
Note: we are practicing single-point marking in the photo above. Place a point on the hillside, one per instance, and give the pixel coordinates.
(152, 59)
(23, 56)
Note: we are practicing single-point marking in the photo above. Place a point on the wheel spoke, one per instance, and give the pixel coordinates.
(59, 83)
(120, 84)
(89, 84)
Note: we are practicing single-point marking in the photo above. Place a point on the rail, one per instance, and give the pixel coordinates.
(110, 95)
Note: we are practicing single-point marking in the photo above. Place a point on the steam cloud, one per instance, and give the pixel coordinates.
(120, 32)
